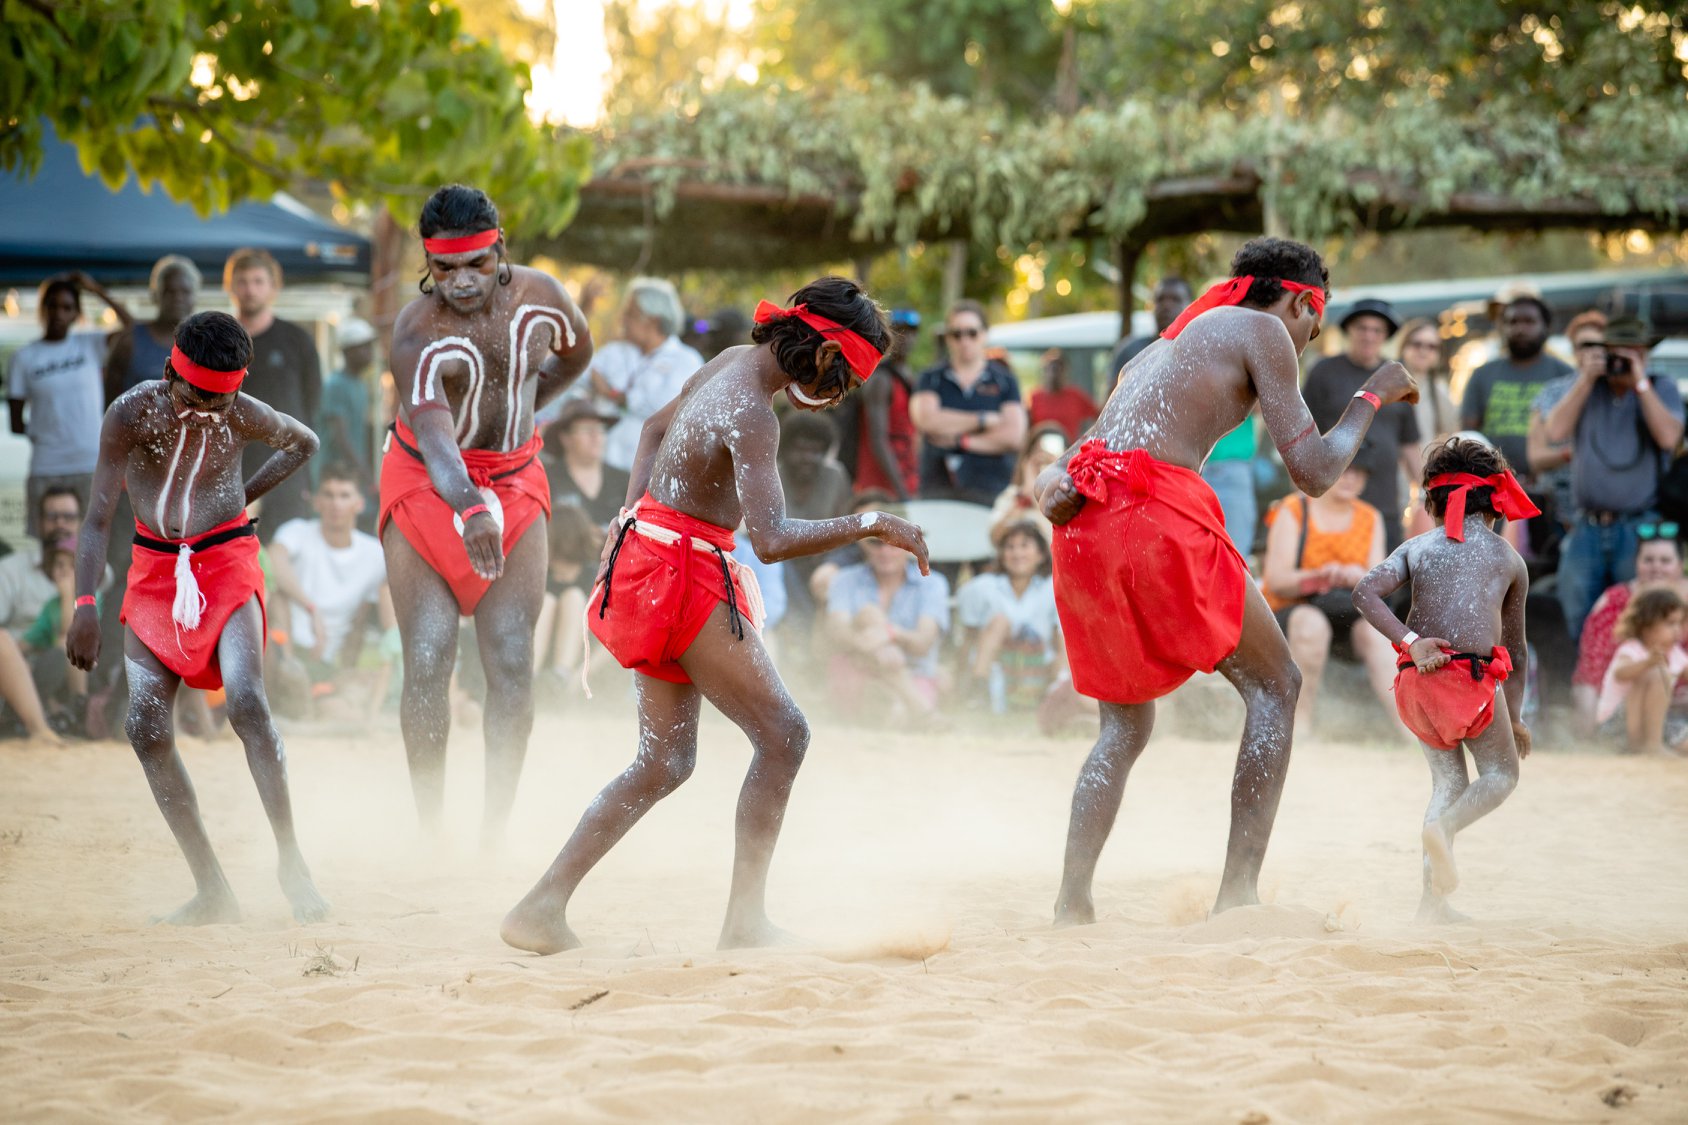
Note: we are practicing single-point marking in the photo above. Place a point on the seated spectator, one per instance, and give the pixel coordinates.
(574, 460)
(332, 579)
(886, 619)
(61, 688)
(816, 488)
(1044, 444)
(1061, 402)
(1316, 553)
(25, 588)
(1646, 669)
(643, 371)
(1658, 564)
(575, 540)
(23, 702)
(56, 387)
(969, 412)
(1018, 660)
(820, 582)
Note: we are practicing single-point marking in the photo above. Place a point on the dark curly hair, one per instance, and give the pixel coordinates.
(464, 210)
(1462, 455)
(1645, 610)
(794, 343)
(1027, 529)
(215, 340)
(1270, 260)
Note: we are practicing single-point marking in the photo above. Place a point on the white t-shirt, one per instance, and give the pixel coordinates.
(339, 580)
(650, 383)
(62, 383)
(1032, 615)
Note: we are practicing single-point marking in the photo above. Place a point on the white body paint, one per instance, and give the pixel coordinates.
(806, 400)
(526, 320)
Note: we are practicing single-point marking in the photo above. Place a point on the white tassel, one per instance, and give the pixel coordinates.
(190, 603)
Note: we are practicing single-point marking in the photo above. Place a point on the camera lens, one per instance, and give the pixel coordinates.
(1617, 365)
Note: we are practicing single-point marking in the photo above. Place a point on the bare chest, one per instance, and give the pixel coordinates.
(485, 373)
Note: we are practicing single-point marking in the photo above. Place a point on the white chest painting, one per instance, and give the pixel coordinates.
(525, 322)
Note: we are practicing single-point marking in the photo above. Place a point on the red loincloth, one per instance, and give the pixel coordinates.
(428, 523)
(1149, 586)
(228, 574)
(666, 575)
(1455, 702)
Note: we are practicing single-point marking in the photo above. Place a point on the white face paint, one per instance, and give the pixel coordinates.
(796, 392)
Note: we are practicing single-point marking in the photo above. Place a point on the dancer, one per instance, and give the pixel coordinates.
(1149, 588)
(194, 608)
(464, 496)
(672, 605)
(1468, 589)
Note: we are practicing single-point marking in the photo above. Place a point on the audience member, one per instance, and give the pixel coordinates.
(1500, 393)
(1657, 563)
(878, 441)
(1625, 424)
(576, 537)
(56, 387)
(1061, 402)
(1646, 669)
(332, 577)
(25, 588)
(1044, 445)
(643, 371)
(17, 690)
(1229, 471)
(61, 688)
(138, 354)
(727, 328)
(1017, 659)
(1392, 445)
(820, 582)
(574, 460)
(968, 409)
(816, 488)
(1316, 553)
(347, 398)
(1172, 296)
(284, 374)
(886, 620)
(1420, 352)
(1550, 461)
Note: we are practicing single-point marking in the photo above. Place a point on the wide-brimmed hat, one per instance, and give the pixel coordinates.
(354, 331)
(1631, 332)
(1371, 306)
(580, 410)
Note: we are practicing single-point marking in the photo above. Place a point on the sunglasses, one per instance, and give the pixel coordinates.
(1665, 530)
(1586, 345)
(963, 333)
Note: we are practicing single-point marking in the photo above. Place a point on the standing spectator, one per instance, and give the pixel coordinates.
(1625, 424)
(57, 390)
(643, 371)
(969, 411)
(574, 460)
(332, 575)
(1061, 402)
(1500, 394)
(25, 588)
(284, 374)
(137, 355)
(1392, 445)
(1420, 352)
(886, 620)
(884, 452)
(1172, 296)
(1657, 563)
(816, 488)
(728, 328)
(1550, 462)
(346, 401)
(1229, 471)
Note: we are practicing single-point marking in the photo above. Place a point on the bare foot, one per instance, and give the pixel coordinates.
(1074, 910)
(203, 909)
(1439, 850)
(757, 933)
(537, 924)
(308, 903)
(44, 739)
(1433, 909)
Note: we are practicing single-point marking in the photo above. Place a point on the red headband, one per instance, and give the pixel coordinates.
(1232, 292)
(205, 378)
(1508, 499)
(862, 356)
(462, 245)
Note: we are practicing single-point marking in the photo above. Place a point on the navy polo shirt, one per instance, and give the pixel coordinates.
(980, 477)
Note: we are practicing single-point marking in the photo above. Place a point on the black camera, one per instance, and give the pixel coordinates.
(1618, 366)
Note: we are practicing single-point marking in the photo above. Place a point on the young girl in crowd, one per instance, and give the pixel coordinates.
(575, 542)
(1645, 669)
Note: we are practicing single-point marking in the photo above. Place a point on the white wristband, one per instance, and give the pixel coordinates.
(1407, 641)
(1643, 385)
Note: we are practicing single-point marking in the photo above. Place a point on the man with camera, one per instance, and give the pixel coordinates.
(1624, 426)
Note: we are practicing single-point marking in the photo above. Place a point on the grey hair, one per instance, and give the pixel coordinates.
(658, 300)
(174, 262)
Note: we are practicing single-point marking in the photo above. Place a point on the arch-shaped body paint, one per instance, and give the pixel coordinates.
(526, 320)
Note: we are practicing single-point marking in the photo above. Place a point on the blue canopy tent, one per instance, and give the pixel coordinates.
(62, 219)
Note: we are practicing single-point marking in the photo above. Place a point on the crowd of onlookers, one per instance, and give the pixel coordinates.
(1592, 439)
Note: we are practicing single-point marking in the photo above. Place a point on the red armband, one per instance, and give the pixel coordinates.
(1376, 403)
(472, 510)
(85, 599)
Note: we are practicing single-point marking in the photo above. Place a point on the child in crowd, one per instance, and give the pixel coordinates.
(1646, 668)
(63, 689)
(575, 542)
(1468, 589)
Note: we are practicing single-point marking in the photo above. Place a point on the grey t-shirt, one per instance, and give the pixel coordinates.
(1617, 464)
(63, 384)
(1498, 400)
(1330, 389)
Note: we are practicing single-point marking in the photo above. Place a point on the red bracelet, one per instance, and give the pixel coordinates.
(472, 510)
(1376, 403)
(85, 599)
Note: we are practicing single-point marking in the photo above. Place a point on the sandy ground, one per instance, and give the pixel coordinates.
(923, 872)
